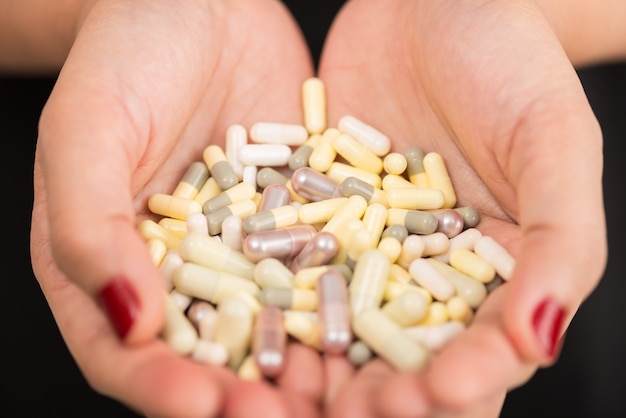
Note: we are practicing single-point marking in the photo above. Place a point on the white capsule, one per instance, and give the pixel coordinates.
(367, 135)
(278, 133)
(268, 155)
(495, 254)
(236, 136)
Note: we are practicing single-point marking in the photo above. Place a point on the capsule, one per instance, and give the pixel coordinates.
(242, 209)
(359, 353)
(304, 327)
(269, 341)
(149, 229)
(324, 153)
(366, 134)
(197, 222)
(209, 189)
(435, 244)
(232, 232)
(414, 198)
(171, 261)
(269, 175)
(472, 264)
(353, 185)
(203, 316)
(313, 185)
(172, 206)
(357, 154)
(407, 309)
(269, 155)
(415, 166)
(236, 136)
(157, 250)
(306, 278)
(189, 185)
(393, 181)
(353, 208)
(471, 290)
(361, 240)
(415, 221)
(395, 163)
(237, 193)
(367, 286)
(374, 220)
(211, 353)
(207, 251)
(431, 279)
(396, 231)
(449, 221)
(281, 243)
(339, 171)
(389, 341)
(314, 105)
(235, 323)
(177, 227)
(470, 216)
(210, 285)
(412, 249)
(271, 272)
(334, 312)
(178, 331)
(274, 196)
(438, 177)
(465, 239)
(219, 167)
(278, 133)
(290, 298)
(391, 247)
(271, 219)
(494, 253)
(321, 211)
(318, 251)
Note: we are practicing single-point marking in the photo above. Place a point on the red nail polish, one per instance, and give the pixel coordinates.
(547, 321)
(121, 303)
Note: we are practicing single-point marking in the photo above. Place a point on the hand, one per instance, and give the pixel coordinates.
(489, 87)
(146, 87)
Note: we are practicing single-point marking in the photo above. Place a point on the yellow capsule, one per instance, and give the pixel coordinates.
(324, 154)
(367, 286)
(357, 154)
(275, 218)
(394, 163)
(209, 189)
(191, 182)
(237, 193)
(415, 167)
(150, 229)
(235, 321)
(437, 314)
(339, 171)
(173, 206)
(438, 177)
(300, 157)
(407, 309)
(314, 105)
(391, 247)
(472, 264)
(321, 211)
(411, 197)
(219, 167)
(177, 227)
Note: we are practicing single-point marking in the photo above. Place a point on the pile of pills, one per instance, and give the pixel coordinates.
(322, 235)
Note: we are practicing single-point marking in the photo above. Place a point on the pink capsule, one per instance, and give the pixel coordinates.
(281, 243)
(269, 340)
(320, 250)
(450, 222)
(334, 312)
(314, 185)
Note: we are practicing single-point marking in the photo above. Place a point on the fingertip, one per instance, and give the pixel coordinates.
(403, 396)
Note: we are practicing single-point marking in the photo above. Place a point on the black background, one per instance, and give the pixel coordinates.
(42, 380)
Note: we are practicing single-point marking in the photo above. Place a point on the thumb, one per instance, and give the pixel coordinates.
(563, 249)
(87, 162)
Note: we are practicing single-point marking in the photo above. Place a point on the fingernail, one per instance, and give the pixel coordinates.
(121, 303)
(547, 321)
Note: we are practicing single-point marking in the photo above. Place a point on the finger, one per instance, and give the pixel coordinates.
(356, 398)
(303, 372)
(338, 371)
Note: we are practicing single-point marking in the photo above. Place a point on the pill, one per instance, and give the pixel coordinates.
(392, 181)
(391, 247)
(205, 250)
(313, 185)
(438, 177)
(290, 298)
(412, 248)
(209, 189)
(249, 174)
(149, 229)
(389, 340)
(334, 312)
(172, 206)
(324, 153)
(269, 155)
(282, 243)
(210, 285)
(431, 279)
(415, 221)
(274, 196)
(375, 220)
(398, 274)
(339, 171)
(211, 353)
(194, 178)
(361, 240)
(369, 277)
(203, 316)
(249, 371)
(236, 136)
(219, 167)
(395, 289)
(234, 328)
(411, 197)
(435, 244)
(449, 221)
(278, 133)
(394, 163)
(459, 310)
(197, 222)
(359, 353)
(271, 272)
(357, 154)
(465, 239)
(271, 219)
(177, 227)
(242, 209)
(269, 341)
(237, 193)
(366, 134)
(415, 166)
(492, 251)
(355, 186)
(435, 337)
(437, 313)
(318, 251)
(306, 278)
(170, 262)
(472, 264)
(396, 231)
(470, 216)
(300, 156)
(314, 105)
(180, 299)
(407, 309)
(320, 211)
(157, 250)
(304, 327)
(353, 208)
(471, 290)
(232, 232)
(178, 331)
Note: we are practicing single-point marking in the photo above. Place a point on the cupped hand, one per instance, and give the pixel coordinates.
(146, 87)
(488, 86)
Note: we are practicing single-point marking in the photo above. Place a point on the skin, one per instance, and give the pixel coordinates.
(147, 85)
